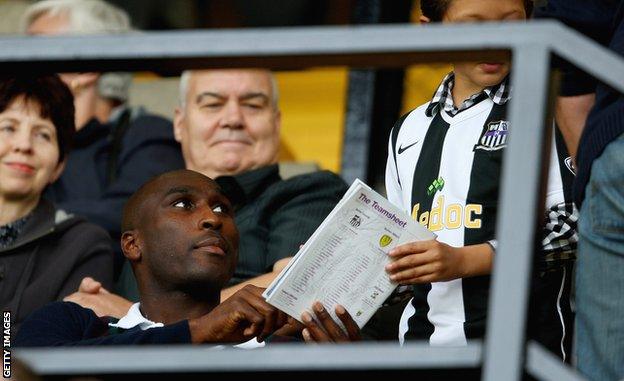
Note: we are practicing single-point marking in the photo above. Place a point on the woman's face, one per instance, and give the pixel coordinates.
(29, 153)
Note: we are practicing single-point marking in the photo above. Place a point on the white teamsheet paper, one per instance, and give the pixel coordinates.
(343, 261)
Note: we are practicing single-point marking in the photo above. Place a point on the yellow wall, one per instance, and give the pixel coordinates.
(420, 83)
(313, 113)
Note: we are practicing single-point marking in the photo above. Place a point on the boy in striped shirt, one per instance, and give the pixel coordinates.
(443, 168)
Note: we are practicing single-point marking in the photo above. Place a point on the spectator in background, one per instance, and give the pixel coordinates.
(44, 252)
(228, 124)
(599, 189)
(117, 147)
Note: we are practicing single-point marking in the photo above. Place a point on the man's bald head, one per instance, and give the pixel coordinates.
(179, 233)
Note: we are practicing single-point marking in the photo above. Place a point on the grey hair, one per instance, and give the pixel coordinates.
(185, 79)
(88, 17)
(85, 16)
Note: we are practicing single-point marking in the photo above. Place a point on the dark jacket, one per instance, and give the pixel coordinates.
(68, 324)
(88, 187)
(602, 20)
(49, 259)
(275, 216)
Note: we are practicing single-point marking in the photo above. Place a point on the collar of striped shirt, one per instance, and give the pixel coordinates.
(443, 98)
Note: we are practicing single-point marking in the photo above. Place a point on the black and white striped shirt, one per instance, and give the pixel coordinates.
(443, 168)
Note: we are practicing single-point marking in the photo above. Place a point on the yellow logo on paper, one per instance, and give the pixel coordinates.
(385, 240)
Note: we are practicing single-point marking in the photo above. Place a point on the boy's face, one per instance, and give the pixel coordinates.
(483, 74)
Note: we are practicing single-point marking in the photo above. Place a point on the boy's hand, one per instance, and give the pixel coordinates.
(241, 317)
(329, 331)
(425, 262)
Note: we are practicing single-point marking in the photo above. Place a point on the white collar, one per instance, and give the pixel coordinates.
(133, 318)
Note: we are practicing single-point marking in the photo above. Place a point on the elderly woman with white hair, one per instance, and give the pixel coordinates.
(118, 148)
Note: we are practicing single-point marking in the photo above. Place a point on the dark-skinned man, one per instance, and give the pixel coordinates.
(180, 236)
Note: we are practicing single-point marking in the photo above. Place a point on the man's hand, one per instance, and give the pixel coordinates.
(328, 331)
(92, 295)
(241, 317)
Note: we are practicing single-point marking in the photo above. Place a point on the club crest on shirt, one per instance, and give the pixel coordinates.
(494, 137)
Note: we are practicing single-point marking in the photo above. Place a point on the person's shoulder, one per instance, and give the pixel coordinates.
(149, 126)
(313, 181)
(410, 120)
(79, 234)
(70, 224)
(152, 121)
(415, 115)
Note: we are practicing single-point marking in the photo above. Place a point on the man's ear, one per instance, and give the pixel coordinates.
(178, 121)
(424, 20)
(130, 245)
(278, 122)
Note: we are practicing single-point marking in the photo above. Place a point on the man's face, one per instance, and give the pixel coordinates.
(484, 74)
(47, 24)
(188, 236)
(229, 123)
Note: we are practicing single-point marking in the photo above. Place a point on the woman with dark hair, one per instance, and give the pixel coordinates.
(44, 252)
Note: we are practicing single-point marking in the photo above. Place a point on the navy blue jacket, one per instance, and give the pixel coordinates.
(602, 20)
(68, 324)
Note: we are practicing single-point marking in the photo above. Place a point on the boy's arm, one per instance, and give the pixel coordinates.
(434, 261)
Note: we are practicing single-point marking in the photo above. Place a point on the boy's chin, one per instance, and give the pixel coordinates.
(491, 79)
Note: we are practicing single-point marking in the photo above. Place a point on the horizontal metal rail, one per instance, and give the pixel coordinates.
(543, 365)
(278, 357)
(357, 46)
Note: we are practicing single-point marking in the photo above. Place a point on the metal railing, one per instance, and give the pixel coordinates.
(504, 354)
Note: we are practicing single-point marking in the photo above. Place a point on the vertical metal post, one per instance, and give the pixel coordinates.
(374, 101)
(360, 98)
(521, 195)
(359, 120)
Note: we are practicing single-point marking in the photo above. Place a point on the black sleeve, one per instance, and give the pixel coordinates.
(68, 324)
(592, 18)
